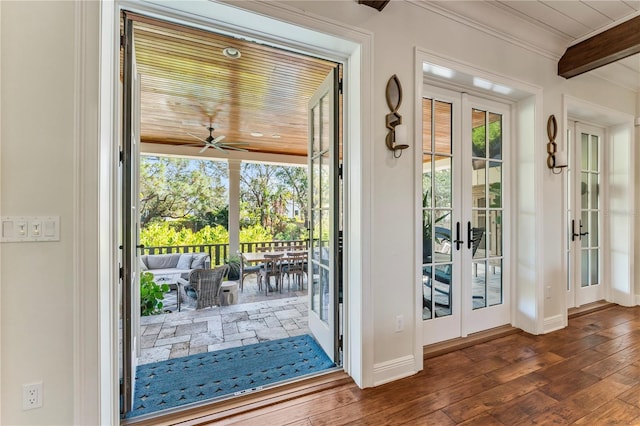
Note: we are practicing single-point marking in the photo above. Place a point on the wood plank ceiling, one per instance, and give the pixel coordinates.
(187, 83)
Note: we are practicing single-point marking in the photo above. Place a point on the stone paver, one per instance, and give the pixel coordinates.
(256, 318)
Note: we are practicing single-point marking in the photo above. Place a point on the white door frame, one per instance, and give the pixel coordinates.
(96, 391)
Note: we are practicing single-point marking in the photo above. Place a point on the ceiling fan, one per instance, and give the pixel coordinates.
(216, 142)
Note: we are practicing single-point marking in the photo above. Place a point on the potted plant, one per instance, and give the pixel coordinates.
(234, 261)
(151, 295)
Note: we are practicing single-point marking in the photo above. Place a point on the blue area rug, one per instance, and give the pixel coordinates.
(168, 384)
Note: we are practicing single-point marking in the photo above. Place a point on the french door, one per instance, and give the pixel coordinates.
(324, 202)
(464, 217)
(584, 215)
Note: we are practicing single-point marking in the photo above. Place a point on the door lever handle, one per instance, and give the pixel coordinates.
(470, 239)
(573, 230)
(458, 241)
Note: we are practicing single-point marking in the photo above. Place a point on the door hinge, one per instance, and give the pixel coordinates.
(123, 40)
(340, 171)
(340, 86)
(121, 156)
(121, 273)
(340, 341)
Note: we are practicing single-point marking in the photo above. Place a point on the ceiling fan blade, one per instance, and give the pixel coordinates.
(225, 146)
(218, 138)
(219, 148)
(204, 149)
(197, 137)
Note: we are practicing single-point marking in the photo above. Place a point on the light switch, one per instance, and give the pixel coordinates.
(17, 229)
(36, 228)
(21, 228)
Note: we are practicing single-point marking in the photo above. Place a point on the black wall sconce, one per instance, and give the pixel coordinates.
(555, 160)
(397, 134)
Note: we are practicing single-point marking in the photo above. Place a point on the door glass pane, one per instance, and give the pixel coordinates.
(427, 293)
(442, 290)
(479, 284)
(594, 153)
(585, 151)
(442, 181)
(478, 230)
(495, 136)
(494, 282)
(427, 241)
(479, 133)
(325, 181)
(584, 269)
(593, 230)
(593, 191)
(584, 190)
(442, 121)
(315, 121)
(426, 182)
(442, 237)
(494, 234)
(326, 123)
(593, 267)
(495, 184)
(478, 182)
(427, 140)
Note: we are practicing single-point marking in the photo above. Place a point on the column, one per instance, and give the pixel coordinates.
(234, 205)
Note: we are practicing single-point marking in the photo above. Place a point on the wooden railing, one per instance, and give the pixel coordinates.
(220, 252)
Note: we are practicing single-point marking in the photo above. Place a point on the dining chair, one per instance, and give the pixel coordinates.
(296, 266)
(205, 285)
(248, 269)
(272, 268)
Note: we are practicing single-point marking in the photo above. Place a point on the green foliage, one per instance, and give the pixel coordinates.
(233, 261)
(151, 295)
(255, 233)
(167, 234)
(178, 188)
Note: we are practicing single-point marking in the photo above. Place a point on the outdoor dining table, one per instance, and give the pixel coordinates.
(259, 257)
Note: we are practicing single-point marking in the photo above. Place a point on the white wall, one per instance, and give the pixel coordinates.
(37, 166)
(37, 170)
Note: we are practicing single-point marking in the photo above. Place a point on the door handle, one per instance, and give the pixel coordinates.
(573, 230)
(458, 241)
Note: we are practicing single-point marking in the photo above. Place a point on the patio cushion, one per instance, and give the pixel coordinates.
(185, 261)
(163, 261)
(199, 260)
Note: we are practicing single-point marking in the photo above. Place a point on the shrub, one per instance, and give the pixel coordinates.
(151, 295)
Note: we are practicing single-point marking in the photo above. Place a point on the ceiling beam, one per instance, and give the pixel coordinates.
(609, 46)
(378, 5)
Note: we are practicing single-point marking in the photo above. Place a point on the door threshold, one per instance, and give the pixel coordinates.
(441, 348)
(215, 411)
(589, 308)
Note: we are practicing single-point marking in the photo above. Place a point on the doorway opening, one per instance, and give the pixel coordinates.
(178, 87)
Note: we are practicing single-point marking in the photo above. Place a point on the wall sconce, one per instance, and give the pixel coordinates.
(555, 159)
(397, 136)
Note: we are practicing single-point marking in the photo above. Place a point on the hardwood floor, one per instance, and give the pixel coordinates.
(587, 373)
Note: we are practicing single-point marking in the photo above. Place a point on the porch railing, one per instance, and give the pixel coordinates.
(220, 252)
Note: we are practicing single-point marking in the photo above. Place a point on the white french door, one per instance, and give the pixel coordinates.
(323, 216)
(464, 141)
(584, 215)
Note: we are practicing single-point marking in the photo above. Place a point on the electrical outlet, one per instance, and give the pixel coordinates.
(399, 323)
(31, 396)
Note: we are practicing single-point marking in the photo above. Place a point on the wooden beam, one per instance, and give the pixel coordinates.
(378, 5)
(609, 46)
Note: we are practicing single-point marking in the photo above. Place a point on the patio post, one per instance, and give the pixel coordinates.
(234, 205)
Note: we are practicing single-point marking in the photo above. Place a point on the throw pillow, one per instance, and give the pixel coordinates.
(199, 261)
(185, 261)
(143, 266)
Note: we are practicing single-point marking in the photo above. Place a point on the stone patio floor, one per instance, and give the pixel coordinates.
(256, 318)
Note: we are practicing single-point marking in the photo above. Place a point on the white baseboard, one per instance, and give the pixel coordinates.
(395, 369)
(554, 323)
(637, 299)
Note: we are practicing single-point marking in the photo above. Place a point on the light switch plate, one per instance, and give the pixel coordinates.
(30, 228)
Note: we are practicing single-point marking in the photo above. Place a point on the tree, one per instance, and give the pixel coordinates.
(178, 188)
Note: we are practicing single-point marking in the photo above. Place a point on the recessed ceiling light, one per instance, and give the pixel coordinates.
(231, 52)
(256, 134)
(275, 136)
